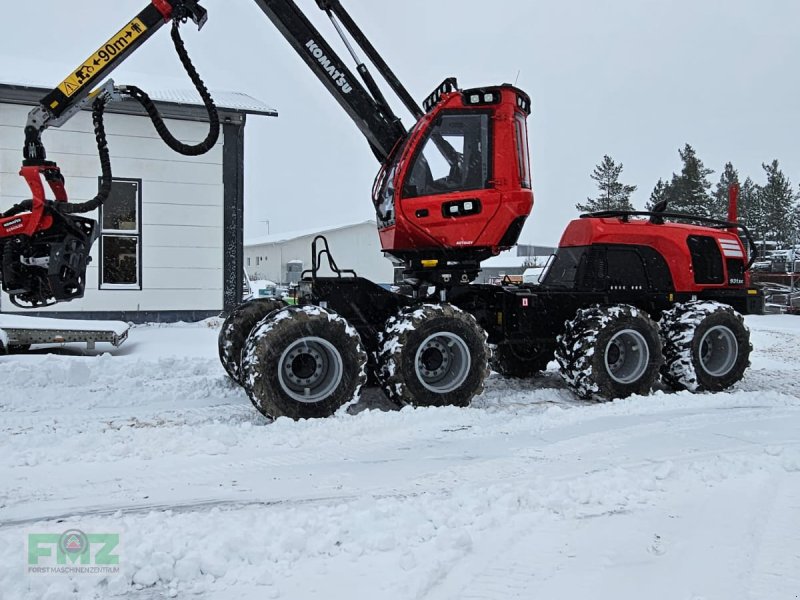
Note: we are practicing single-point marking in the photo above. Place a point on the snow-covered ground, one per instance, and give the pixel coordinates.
(527, 494)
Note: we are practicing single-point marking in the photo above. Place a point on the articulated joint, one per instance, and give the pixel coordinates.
(182, 10)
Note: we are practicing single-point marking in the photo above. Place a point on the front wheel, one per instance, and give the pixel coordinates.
(706, 346)
(609, 352)
(303, 362)
(433, 355)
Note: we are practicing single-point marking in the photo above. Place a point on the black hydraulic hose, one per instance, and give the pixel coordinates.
(98, 108)
(213, 116)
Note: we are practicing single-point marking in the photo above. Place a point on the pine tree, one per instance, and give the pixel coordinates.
(613, 194)
(689, 191)
(660, 192)
(751, 210)
(719, 205)
(777, 199)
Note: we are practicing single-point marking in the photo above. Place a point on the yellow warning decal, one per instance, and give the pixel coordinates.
(106, 54)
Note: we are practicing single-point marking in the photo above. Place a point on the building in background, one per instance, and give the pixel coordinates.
(512, 263)
(171, 237)
(282, 257)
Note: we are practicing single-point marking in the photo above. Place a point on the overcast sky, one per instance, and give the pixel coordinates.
(635, 79)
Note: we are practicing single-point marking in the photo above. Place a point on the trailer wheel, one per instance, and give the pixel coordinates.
(236, 328)
(519, 361)
(433, 355)
(706, 346)
(609, 352)
(303, 362)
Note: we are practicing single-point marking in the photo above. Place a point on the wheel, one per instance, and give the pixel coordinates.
(237, 327)
(433, 355)
(609, 352)
(18, 348)
(706, 346)
(303, 362)
(519, 360)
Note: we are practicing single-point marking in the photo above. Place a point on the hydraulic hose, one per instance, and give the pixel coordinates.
(161, 127)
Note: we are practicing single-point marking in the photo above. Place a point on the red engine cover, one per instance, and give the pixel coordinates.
(668, 239)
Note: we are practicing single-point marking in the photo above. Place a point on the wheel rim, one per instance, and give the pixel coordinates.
(310, 369)
(442, 362)
(718, 351)
(627, 356)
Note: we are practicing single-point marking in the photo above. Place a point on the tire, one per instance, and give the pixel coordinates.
(236, 328)
(18, 348)
(600, 352)
(706, 346)
(303, 362)
(433, 355)
(519, 361)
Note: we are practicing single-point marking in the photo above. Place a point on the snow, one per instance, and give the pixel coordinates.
(43, 323)
(530, 493)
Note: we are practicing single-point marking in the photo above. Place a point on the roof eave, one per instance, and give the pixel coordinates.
(31, 95)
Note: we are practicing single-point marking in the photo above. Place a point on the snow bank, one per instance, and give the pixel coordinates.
(528, 493)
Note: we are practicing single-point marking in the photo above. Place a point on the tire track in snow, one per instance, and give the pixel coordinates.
(509, 463)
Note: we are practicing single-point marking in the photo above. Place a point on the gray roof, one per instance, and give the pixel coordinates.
(237, 101)
(231, 102)
(278, 238)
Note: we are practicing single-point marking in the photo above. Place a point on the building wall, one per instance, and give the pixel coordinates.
(182, 206)
(356, 247)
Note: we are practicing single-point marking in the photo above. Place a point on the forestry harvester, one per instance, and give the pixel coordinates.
(628, 299)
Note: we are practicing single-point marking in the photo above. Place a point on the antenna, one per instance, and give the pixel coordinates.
(516, 78)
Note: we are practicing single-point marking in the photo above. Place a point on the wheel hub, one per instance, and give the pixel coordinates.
(302, 366)
(442, 362)
(718, 351)
(310, 369)
(627, 356)
(434, 359)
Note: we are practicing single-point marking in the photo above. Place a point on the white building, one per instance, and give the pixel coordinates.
(280, 257)
(513, 263)
(171, 232)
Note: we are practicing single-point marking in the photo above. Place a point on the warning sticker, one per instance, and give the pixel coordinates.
(106, 54)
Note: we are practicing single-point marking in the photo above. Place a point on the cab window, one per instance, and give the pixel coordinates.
(453, 158)
(523, 157)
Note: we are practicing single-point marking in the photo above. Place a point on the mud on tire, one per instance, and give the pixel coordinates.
(519, 361)
(303, 362)
(235, 329)
(609, 352)
(706, 346)
(433, 355)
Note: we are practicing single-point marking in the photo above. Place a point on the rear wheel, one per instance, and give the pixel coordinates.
(303, 362)
(609, 352)
(433, 355)
(706, 346)
(236, 328)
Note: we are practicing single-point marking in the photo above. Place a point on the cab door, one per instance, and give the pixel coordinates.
(446, 191)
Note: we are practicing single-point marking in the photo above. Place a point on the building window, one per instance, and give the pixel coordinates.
(121, 237)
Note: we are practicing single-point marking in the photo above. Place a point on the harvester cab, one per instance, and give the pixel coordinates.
(458, 190)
